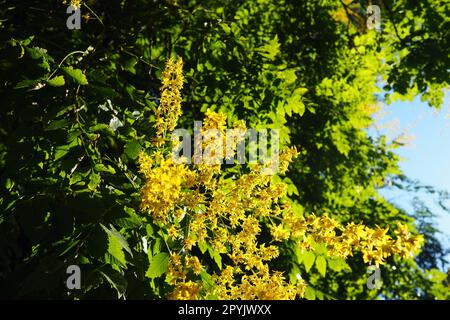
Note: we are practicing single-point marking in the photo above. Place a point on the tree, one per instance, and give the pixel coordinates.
(81, 106)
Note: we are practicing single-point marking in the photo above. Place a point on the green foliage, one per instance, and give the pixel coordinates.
(78, 107)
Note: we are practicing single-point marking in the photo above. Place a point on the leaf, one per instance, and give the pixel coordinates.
(94, 181)
(76, 74)
(114, 233)
(100, 167)
(115, 254)
(208, 283)
(101, 128)
(216, 257)
(158, 265)
(56, 81)
(203, 246)
(308, 260)
(61, 151)
(225, 27)
(37, 53)
(295, 103)
(29, 83)
(310, 293)
(337, 264)
(271, 49)
(117, 282)
(57, 124)
(321, 265)
(132, 149)
(131, 220)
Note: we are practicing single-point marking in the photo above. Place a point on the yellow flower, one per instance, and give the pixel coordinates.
(169, 109)
(279, 233)
(193, 263)
(185, 291)
(162, 187)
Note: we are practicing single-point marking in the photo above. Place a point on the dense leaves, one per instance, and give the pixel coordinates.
(78, 107)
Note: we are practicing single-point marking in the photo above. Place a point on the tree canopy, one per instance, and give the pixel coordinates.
(79, 161)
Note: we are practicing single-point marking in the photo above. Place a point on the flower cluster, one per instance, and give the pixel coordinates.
(225, 228)
(74, 3)
(341, 241)
(169, 109)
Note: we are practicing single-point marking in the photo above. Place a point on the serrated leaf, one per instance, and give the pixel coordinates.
(76, 74)
(321, 265)
(115, 252)
(208, 283)
(216, 257)
(203, 246)
(114, 233)
(308, 260)
(56, 81)
(117, 282)
(158, 265)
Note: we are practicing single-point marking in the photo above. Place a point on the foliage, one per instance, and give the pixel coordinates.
(80, 106)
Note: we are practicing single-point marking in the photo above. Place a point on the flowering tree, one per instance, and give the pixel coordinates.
(88, 125)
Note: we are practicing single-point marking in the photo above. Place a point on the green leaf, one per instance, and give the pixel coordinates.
(203, 246)
(61, 151)
(132, 149)
(158, 265)
(38, 53)
(337, 264)
(57, 124)
(216, 257)
(271, 49)
(225, 27)
(131, 220)
(94, 181)
(308, 260)
(115, 254)
(56, 81)
(37, 84)
(208, 283)
(100, 167)
(310, 293)
(76, 74)
(117, 282)
(115, 234)
(321, 265)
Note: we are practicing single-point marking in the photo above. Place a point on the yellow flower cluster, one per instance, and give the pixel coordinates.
(74, 3)
(264, 286)
(341, 241)
(185, 291)
(162, 187)
(211, 216)
(169, 109)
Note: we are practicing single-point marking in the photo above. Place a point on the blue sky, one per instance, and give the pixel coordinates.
(426, 157)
